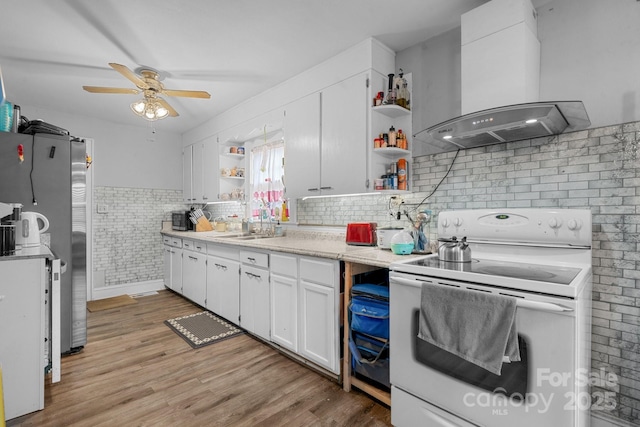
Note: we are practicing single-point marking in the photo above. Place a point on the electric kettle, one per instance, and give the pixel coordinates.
(28, 229)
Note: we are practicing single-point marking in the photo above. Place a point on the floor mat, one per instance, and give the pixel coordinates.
(109, 303)
(203, 328)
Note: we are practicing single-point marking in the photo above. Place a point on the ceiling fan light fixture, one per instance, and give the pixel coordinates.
(150, 109)
(138, 107)
(161, 112)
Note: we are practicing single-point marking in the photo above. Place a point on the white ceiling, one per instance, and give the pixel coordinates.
(234, 49)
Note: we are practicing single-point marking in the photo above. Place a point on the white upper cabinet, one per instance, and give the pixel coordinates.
(187, 174)
(329, 125)
(302, 146)
(199, 167)
(344, 137)
(326, 140)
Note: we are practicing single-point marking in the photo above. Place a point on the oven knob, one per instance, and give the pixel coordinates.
(457, 222)
(555, 223)
(445, 223)
(574, 224)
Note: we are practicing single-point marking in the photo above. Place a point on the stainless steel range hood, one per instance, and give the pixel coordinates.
(512, 123)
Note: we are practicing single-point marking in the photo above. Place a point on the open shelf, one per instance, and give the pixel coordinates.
(392, 110)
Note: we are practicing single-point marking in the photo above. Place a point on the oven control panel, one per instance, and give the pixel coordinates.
(545, 226)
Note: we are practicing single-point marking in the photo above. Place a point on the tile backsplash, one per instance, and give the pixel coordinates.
(127, 246)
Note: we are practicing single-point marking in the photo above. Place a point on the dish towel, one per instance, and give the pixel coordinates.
(477, 326)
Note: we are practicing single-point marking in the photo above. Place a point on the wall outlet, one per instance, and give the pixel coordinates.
(103, 209)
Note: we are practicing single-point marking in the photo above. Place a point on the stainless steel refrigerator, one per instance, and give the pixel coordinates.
(51, 180)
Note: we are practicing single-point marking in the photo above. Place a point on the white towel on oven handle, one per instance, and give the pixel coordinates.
(479, 327)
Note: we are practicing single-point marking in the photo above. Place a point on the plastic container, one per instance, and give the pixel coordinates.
(402, 243)
(6, 117)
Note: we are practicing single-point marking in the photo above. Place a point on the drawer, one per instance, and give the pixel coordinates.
(188, 245)
(194, 245)
(284, 265)
(199, 246)
(257, 259)
(320, 272)
(223, 251)
(176, 242)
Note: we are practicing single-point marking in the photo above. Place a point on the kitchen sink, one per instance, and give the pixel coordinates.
(254, 237)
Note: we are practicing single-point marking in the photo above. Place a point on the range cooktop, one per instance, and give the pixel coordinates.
(539, 273)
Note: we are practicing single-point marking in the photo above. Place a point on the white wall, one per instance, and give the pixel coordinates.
(267, 105)
(589, 52)
(124, 156)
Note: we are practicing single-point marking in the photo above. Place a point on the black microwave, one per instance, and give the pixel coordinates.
(180, 221)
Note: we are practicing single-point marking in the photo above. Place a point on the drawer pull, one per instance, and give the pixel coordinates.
(221, 267)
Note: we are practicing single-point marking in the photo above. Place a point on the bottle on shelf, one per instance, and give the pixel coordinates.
(391, 94)
(400, 139)
(392, 137)
(394, 176)
(402, 174)
(403, 96)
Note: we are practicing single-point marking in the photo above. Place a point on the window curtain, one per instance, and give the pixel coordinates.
(267, 176)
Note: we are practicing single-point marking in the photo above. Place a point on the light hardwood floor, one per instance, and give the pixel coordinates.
(135, 371)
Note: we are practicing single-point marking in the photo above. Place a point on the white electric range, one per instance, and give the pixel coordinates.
(542, 259)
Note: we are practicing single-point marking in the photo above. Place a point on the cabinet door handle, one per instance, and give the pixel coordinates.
(313, 189)
(326, 188)
(254, 276)
(222, 267)
(193, 258)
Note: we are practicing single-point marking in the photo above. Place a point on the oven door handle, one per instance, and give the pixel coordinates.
(544, 306)
(534, 305)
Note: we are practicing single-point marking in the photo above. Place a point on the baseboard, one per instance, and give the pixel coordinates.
(127, 289)
(601, 419)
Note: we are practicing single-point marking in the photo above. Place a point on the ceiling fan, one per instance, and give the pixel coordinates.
(148, 82)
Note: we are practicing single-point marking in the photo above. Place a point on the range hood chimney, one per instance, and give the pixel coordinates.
(500, 58)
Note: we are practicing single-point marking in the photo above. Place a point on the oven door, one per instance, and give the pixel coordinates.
(540, 390)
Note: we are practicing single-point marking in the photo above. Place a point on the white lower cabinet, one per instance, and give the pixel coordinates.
(166, 265)
(194, 271)
(305, 307)
(290, 300)
(223, 282)
(22, 334)
(254, 293)
(284, 301)
(172, 263)
(318, 301)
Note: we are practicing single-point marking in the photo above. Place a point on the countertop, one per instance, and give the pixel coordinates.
(41, 251)
(310, 243)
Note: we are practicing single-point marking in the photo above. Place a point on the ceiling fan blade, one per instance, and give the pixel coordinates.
(98, 89)
(187, 93)
(165, 104)
(130, 75)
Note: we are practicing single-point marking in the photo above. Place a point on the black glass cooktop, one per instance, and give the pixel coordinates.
(539, 273)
